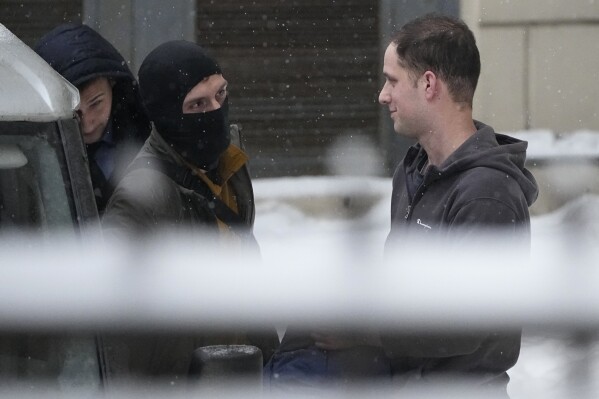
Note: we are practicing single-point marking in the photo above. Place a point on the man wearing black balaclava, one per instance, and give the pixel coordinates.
(191, 173)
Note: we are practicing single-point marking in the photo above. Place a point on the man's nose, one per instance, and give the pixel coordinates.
(384, 96)
(84, 121)
(214, 104)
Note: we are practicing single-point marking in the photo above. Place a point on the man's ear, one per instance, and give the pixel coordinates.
(431, 85)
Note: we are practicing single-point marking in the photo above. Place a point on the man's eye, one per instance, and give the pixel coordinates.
(199, 104)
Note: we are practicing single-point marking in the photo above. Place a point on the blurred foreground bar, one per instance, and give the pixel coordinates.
(156, 284)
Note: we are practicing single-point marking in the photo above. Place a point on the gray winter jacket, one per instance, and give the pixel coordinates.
(147, 200)
(144, 202)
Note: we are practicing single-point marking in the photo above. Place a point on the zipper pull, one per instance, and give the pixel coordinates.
(408, 211)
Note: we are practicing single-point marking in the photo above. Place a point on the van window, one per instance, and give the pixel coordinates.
(33, 183)
(36, 197)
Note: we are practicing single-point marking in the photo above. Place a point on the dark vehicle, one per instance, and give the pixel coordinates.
(45, 188)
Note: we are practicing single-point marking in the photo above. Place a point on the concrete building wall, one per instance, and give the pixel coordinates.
(540, 63)
(135, 27)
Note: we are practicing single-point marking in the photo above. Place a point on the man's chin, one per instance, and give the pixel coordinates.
(91, 138)
(399, 129)
(403, 132)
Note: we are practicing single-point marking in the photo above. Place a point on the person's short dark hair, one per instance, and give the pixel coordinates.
(444, 45)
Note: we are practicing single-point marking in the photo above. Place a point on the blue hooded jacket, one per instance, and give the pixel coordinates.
(80, 54)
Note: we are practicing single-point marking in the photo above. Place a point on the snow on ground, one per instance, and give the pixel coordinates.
(296, 212)
(545, 143)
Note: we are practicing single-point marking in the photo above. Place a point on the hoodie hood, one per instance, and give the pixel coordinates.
(80, 54)
(485, 148)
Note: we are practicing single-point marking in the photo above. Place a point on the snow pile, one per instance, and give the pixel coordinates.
(545, 144)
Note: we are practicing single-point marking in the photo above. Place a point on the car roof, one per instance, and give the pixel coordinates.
(30, 90)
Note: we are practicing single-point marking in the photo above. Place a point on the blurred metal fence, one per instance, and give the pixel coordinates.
(57, 283)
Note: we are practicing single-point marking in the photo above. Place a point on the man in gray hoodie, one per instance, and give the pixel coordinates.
(460, 179)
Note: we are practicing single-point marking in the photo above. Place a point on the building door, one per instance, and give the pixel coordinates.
(302, 74)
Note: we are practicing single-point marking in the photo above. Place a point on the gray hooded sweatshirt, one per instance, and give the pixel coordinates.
(482, 186)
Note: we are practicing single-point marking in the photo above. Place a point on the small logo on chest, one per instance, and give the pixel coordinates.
(426, 226)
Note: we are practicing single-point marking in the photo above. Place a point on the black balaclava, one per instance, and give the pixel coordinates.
(167, 74)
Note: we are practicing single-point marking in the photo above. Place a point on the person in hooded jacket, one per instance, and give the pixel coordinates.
(460, 180)
(111, 117)
(190, 176)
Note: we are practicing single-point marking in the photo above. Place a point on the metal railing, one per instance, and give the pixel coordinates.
(173, 282)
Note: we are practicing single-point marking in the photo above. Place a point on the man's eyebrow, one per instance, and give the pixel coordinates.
(198, 96)
(94, 98)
